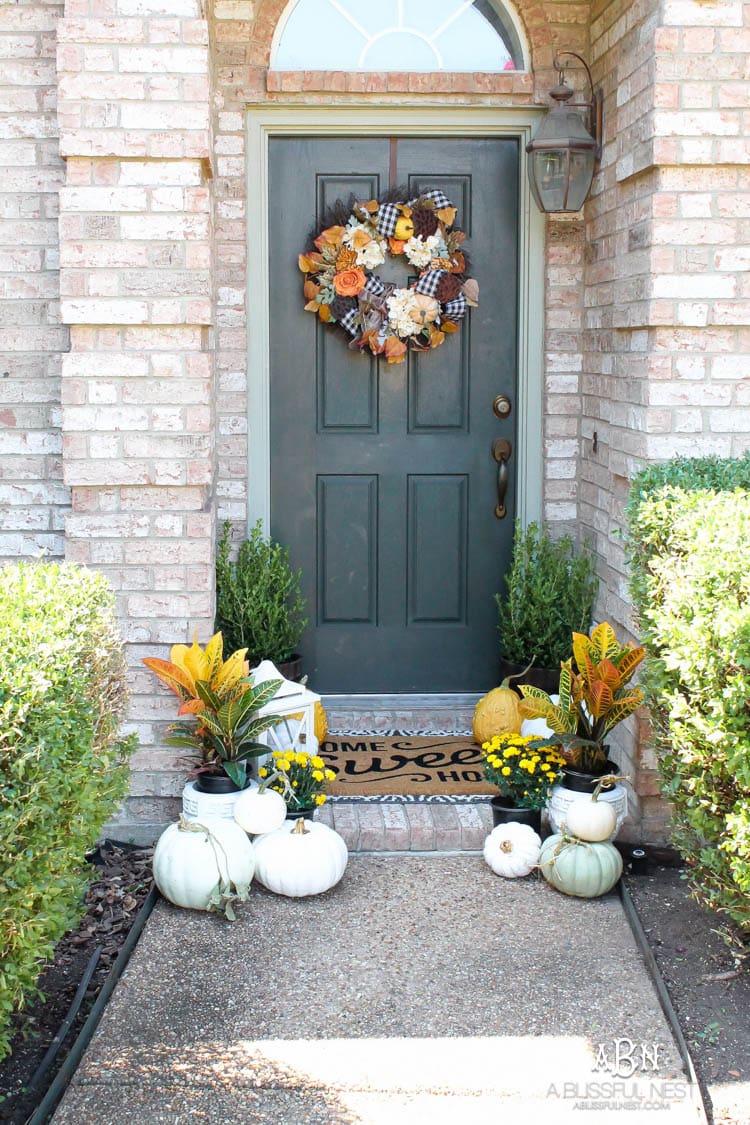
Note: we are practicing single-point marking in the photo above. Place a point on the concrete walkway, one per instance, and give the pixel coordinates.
(422, 989)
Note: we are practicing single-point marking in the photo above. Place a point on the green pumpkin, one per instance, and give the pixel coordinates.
(577, 867)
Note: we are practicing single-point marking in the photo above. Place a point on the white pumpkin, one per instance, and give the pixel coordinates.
(260, 810)
(512, 849)
(301, 858)
(197, 864)
(591, 819)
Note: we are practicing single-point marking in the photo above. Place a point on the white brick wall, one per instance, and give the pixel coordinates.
(32, 495)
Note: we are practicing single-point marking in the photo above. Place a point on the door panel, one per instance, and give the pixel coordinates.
(382, 480)
(437, 529)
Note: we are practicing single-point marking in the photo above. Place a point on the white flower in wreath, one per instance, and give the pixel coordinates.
(371, 255)
(420, 251)
(401, 304)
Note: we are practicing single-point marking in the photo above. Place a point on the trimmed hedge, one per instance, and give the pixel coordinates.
(63, 768)
(689, 554)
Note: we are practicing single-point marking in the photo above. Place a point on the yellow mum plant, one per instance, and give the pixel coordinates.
(522, 767)
(301, 778)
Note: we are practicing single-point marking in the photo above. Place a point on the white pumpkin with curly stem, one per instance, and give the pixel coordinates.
(512, 850)
(202, 866)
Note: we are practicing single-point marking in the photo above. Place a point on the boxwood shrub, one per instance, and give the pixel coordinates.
(689, 552)
(63, 766)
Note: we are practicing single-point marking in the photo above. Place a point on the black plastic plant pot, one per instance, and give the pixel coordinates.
(505, 813)
(547, 679)
(218, 783)
(582, 781)
(300, 814)
(291, 669)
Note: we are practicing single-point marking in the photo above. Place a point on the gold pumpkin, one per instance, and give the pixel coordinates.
(321, 723)
(497, 712)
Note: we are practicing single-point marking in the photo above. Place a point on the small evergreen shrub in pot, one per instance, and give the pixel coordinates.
(689, 551)
(550, 592)
(259, 604)
(63, 764)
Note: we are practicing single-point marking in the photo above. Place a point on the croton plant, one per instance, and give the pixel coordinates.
(595, 695)
(221, 698)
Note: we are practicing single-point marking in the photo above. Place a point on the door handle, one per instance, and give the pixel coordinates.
(501, 452)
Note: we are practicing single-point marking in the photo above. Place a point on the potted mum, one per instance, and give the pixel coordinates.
(595, 695)
(222, 705)
(300, 778)
(524, 769)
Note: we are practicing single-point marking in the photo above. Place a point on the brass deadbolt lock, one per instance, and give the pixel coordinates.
(502, 406)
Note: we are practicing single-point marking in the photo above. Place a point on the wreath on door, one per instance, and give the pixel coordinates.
(343, 291)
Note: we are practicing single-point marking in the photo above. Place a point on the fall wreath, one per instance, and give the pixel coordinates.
(341, 288)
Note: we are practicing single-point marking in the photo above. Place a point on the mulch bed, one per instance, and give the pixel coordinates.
(705, 964)
(122, 883)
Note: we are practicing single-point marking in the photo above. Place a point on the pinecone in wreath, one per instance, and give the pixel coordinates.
(448, 288)
(340, 306)
(425, 222)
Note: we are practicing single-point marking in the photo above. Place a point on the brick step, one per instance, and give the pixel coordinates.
(418, 826)
(407, 714)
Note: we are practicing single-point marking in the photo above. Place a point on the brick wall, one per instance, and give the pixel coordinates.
(138, 397)
(646, 332)
(667, 314)
(32, 495)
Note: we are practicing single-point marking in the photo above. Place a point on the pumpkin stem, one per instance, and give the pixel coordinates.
(517, 675)
(300, 829)
(608, 779)
(225, 892)
(506, 846)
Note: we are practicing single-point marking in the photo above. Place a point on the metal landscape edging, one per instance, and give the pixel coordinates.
(61, 1081)
(662, 991)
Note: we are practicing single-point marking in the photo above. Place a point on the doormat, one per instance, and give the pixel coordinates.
(404, 765)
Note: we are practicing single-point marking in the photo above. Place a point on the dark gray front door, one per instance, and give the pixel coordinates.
(383, 483)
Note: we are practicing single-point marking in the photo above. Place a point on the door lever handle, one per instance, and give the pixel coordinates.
(501, 452)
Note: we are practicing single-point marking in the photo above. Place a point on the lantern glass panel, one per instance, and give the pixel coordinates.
(580, 176)
(549, 178)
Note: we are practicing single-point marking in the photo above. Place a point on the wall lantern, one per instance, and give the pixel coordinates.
(566, 146)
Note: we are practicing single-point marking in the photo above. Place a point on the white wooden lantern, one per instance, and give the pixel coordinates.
(295, 704)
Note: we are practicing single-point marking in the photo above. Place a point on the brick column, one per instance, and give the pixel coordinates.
(668, 302)
(32, 496)
(135, 246)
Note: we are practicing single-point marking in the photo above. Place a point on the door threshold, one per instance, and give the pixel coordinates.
(403, 713)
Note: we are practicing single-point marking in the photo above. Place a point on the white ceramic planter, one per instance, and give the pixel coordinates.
(201, 806)
(561, 799)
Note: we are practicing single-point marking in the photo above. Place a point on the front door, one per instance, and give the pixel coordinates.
(383, 481)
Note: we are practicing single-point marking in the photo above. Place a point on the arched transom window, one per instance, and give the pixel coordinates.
(397, 35)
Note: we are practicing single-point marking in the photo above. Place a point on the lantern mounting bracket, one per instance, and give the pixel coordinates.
(594, 106)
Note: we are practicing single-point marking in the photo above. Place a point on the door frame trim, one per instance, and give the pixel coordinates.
(371, 121)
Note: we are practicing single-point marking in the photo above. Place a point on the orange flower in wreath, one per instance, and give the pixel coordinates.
(349, 283)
